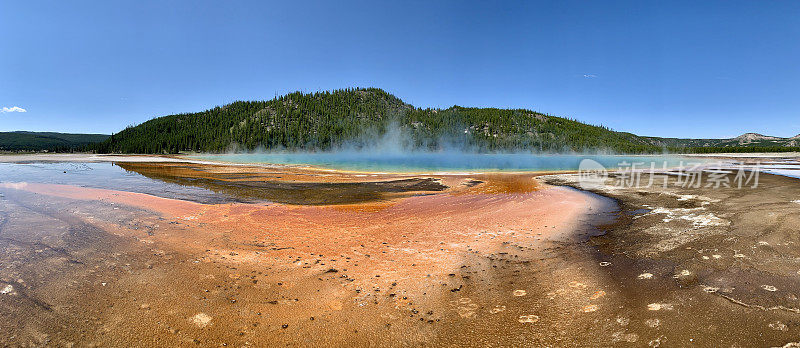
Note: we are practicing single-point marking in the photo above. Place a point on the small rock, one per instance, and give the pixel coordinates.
(531, 318)
(201, 319)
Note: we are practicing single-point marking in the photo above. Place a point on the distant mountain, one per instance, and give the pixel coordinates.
(49, 141)
(748, 142)
(755, 139)
(365, 117)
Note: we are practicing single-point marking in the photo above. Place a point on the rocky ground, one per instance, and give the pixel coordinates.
(717, 266)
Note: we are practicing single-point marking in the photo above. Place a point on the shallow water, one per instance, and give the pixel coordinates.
(446, 161)
(249, 186)
(104, 176)
(164, 181)
(791, 170)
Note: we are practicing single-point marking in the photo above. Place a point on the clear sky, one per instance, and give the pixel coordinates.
(661, 68)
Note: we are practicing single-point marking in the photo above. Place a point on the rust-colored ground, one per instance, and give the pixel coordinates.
(387, 271)
(363, 259)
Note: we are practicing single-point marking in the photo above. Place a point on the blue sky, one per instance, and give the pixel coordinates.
(661, 68)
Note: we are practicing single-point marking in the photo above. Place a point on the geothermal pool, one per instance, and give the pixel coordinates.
(445, 161)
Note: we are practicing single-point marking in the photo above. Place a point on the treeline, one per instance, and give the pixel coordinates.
(296, 120)
(742, 149)
(356, 116)
(47, 141)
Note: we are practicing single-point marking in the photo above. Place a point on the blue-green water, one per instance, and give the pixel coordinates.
(446, 161)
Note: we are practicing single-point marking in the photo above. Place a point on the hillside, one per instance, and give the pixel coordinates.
(359, 117)
(356, 117)
(50, 141)
(748, 142)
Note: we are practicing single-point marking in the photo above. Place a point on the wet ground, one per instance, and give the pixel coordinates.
(120, 256)
(284, 187)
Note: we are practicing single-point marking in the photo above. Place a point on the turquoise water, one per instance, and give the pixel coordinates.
(445, 161)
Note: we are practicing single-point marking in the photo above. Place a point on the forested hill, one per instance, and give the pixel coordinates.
(50, 141)
(356, 117)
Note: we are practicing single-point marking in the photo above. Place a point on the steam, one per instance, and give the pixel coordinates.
(392, 140)
(395, 139)
(396, 148)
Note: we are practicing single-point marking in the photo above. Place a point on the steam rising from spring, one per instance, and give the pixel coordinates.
(395, 149)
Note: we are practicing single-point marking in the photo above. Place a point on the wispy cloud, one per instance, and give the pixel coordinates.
(590, 76)
(12, 109)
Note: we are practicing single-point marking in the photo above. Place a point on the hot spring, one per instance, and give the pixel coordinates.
(447, 161)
